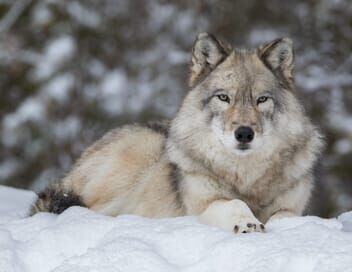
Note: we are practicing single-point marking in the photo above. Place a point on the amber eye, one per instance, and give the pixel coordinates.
(262, 99)
(224, 97)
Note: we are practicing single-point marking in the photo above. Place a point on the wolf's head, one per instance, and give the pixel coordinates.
(241, 102)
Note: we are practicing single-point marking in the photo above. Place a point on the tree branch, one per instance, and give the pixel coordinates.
(14, 13)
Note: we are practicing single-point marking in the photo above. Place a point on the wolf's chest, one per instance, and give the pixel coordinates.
(257, 186)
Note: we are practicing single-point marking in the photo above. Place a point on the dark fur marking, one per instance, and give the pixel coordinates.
(283, 81)
(210, 117)
(219, 46)
(206, 100)
(264, 55)
(175, 177)
(59, 200)
(161, 127)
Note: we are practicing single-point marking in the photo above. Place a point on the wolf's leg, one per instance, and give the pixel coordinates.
(233, 215)
(292, 202)
(282, 214)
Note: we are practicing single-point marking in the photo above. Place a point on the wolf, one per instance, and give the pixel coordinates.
(238, 153)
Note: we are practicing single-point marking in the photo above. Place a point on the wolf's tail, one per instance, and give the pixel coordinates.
(56, 199)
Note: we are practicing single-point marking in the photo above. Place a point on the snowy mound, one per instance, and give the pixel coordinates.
(81, 240)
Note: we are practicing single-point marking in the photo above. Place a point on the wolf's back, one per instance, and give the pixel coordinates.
(55, 199)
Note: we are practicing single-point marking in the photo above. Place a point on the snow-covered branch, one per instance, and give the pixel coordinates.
(14, 13)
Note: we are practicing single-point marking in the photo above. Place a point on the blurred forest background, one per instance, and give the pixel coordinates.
(71, 70)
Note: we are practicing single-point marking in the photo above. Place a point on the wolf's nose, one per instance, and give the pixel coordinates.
(244, 135)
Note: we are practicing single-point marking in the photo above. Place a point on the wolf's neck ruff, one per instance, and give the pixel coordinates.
(239, 151)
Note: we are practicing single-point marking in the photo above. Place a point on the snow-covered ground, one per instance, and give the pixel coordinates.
(81, 240)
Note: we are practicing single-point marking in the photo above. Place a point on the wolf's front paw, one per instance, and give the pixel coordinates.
(233, 215)
(247, 227)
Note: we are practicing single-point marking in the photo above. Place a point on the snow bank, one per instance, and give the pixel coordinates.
(81, 240)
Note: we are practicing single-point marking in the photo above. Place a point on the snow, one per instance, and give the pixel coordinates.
(14, 204)
(83, 15)
(42, 15)
(81, 240)
(67, 129)
(8, 167)
(343, 146)
(260, 35)
(56, 53)
(30, 109)
(59, 87)
(178, 57)
(113, 87)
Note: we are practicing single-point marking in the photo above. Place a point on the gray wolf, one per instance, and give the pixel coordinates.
(238, 153)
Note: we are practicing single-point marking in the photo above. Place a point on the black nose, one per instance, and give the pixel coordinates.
(244, 135)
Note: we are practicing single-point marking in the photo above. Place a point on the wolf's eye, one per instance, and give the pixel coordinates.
(262, 99)
(224, 97)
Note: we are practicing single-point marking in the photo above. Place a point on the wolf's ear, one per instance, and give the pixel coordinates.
(207, 53)
(278, 55)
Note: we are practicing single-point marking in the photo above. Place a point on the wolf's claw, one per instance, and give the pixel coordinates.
(249, 227)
